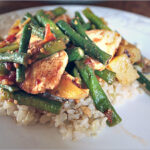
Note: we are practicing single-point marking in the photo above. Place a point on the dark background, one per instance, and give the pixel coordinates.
(140, 7)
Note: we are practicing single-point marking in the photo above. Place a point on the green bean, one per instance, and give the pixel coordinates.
(10, 88)
(94, 19)
(38, 31)
(86, 26)
(58, 11)
(106, 75)
(79, 28)
(99, 97)
(3, 70)
(16, 57)
(75, 53)
(10, 47)
(79, 17)
(51, 48)
(143, 80)
(93, 26)
(43, 19)
(23, 47)
(25, 38)
(55, 46)
(41, 103)
(88, 47)
(77, 74)
(33, 20)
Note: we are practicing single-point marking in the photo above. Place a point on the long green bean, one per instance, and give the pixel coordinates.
(94, 19)
(10, 88)
(99, 97)
(143, 80)
(10, 47)
(106, 75)
(23, 47)
(43, 19)
(88, 47)
(16, 57)
(41, 103)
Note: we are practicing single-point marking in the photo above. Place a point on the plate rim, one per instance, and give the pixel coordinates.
(67, 5)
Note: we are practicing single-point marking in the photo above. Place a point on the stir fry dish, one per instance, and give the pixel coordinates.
(67, 71)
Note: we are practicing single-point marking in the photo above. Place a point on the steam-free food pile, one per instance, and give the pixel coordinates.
(68, 73)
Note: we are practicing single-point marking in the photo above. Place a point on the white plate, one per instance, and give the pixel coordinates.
(132, 133)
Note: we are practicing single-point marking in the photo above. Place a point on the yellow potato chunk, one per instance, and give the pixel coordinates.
(131, 51)
(124, 70)
(69, 89)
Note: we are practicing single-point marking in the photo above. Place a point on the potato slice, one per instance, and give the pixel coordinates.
(69, 89)
(106, 40)
(124, 70)
(131, 51)
(45, 74)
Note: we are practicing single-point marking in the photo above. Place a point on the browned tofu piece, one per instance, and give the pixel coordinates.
(45, 74)
(106, 40)
(124, 70)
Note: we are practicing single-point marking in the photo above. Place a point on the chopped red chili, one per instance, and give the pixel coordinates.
(11, 38)
(108, 114)
(49, 36)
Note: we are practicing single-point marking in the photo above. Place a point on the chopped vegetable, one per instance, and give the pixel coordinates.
(10, 47)
(38, 102)
(24, 42)
(76, 73)
(99, 97)
(16, 57)
(33, 20)
(23, 47)
(79, 17)
(49, 36)
(106, 75)
(79, 28)
(143, 80)
(94, 19)
(11, 88)
(41, 103)
(88, 47)
(75, 53)
(124, 70)
(3, 70)
(58, 11)
(87, 26)
(54, 46)
(49, 47)
(43, 19)
(38, 31)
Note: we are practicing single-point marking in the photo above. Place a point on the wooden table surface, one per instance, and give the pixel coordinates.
(140, 7)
